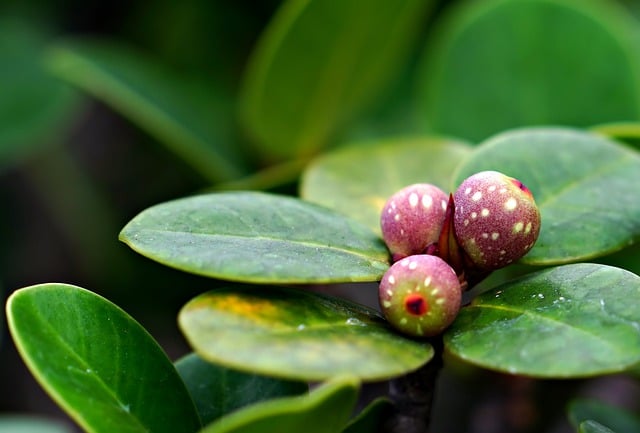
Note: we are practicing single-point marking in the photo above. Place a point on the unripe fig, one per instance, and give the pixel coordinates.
(496, 220)
(420, 295)
(412, 219)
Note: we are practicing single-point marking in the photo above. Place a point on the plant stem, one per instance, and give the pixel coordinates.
(413, 396)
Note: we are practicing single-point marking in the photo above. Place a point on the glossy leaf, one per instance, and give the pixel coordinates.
(257, 237)
(617, 419)
(585, 186)
(182, 112)
(325, 410)
(30, 424)
(591, 426)
(217, 390)
(296, 334)
(358, 180)
(500, 64)
(97, 363)
(570, 321)
(372, 418)
(319, 65)
(35, 107)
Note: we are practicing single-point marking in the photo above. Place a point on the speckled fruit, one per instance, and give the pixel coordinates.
(496, 220)
(412, 219)
(420, 295)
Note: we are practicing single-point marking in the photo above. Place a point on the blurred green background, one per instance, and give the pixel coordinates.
(108, 109)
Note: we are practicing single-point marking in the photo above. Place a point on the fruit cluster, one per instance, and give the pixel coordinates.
(441, 245)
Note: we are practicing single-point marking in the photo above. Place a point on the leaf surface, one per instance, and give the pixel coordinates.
(257, 237)
(586, 187)
(576, 320)
(325, 410)
(358, 180)
(217, 390)
(97, 363)
(319, 64)
(500, 64)
(296, 334)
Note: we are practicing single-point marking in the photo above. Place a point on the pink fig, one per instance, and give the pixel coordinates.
(412, 219)
(496, 220)
(420, 295)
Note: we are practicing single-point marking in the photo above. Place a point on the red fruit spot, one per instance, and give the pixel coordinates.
(415, 304)
(522, 186)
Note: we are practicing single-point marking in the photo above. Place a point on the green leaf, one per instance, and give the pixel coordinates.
(296, 334)
(358, 180)
(627, 132)
(570, 321)
(591, 426)
(257, 237)
(25, 424)
(319, 64)
(585, 186)
(500, 64)
(97, 363)
(35, 107)
(182, 112)
(325, 410)
(372, 417)
(217, 390)
(619, 420)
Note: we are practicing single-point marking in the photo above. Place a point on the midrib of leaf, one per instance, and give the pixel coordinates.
(307, 244)
(108, 391)
(547, 319)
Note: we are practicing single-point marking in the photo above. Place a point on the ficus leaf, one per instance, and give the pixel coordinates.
(324, 410)
(569, 321)
(296, 334)
(319, 64)
(257, 237)
(97, 363)
(500, 64)
(217, 390)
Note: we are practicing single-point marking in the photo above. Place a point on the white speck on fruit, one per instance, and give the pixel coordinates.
(413, 265)
(466, 222)
(427, 281)
(390, 293)
(495, 236)
(404, 263)
(503, 252)
(517, 227)
(527, 229)
(491, 188)
(393, 205)
(503, 190)
(474, 215)
(440, 301)
(427, 201)
(476, 196)
(435, 291)
(396, 217)
(386, 304)
(467, 191)
(402, 232)
(391, 279)
(444, 205)
(485, 212)
(510, 204)
(413, 199)
(403, 321)
(485, 235)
